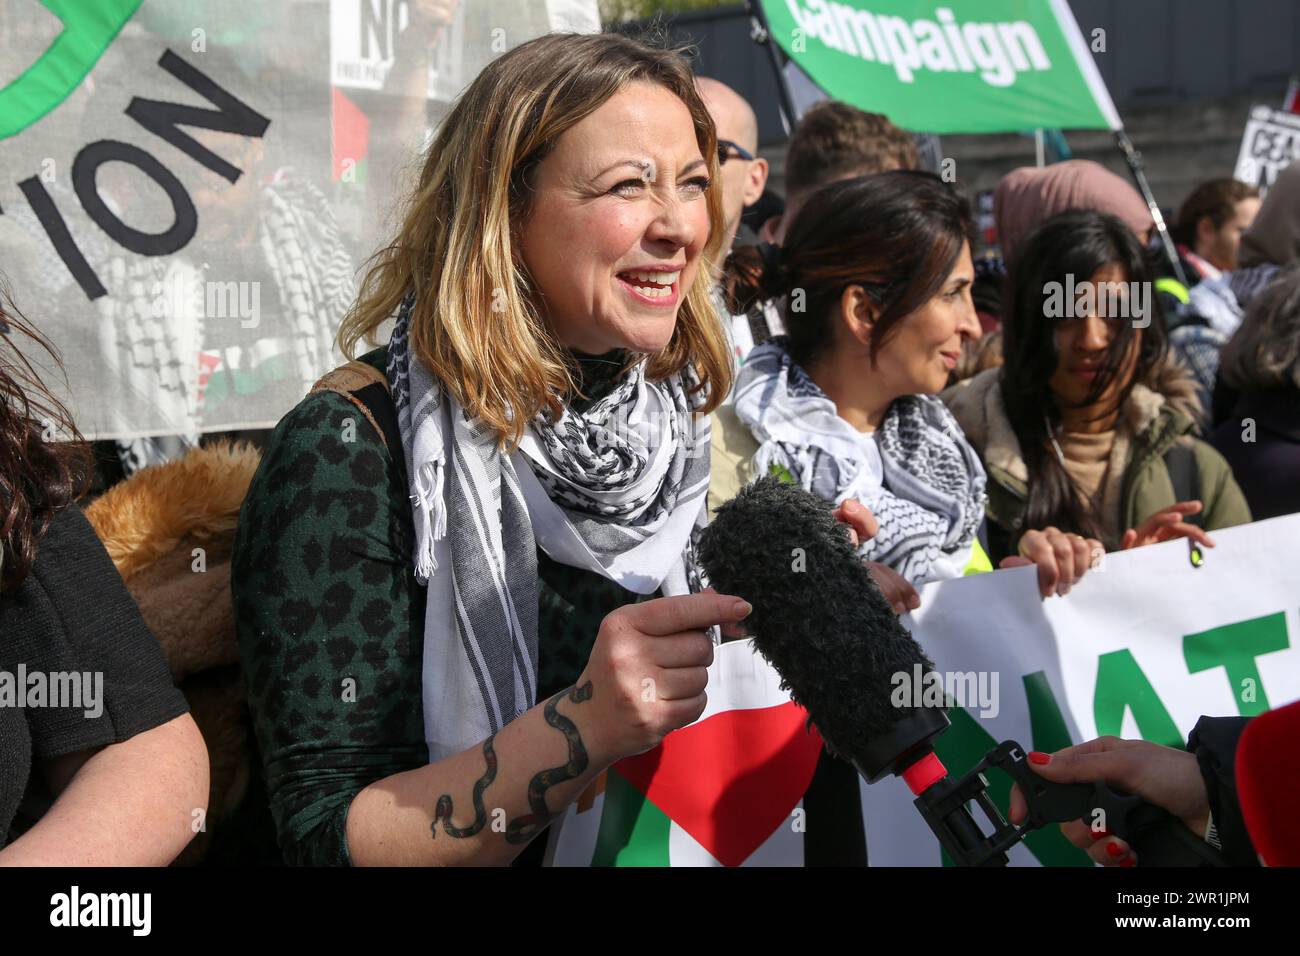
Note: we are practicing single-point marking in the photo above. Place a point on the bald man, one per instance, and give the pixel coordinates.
(742, 179)
(732, 446)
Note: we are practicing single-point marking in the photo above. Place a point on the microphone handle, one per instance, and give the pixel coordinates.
(1158, 837)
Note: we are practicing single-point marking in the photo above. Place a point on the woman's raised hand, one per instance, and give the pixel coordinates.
(863, 526)
(1061, 558)
(1165, 524)
(648, 668)
(900, 594)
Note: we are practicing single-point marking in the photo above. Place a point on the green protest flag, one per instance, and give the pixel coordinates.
(955, 66)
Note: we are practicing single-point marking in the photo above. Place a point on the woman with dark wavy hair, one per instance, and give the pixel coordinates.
(96, 744)
(1087, 427)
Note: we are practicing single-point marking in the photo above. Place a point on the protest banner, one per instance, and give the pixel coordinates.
(189, 189)
(1269, 143)
(961, 66)
(1142, 647)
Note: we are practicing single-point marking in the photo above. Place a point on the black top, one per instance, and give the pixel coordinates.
(71, 635)
(1214, 741)
(1260, 438)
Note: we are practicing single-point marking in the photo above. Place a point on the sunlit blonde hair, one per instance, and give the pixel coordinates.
(481, 336)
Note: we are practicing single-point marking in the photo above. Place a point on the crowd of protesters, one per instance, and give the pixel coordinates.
(462, 525)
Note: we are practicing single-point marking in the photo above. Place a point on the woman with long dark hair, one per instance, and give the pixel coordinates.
(1087, 427)
(877, 273)
(96, 744)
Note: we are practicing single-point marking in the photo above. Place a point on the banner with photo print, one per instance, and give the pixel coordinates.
(188, 189)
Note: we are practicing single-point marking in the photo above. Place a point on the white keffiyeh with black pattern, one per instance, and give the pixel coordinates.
(618, 489)
(928, 494)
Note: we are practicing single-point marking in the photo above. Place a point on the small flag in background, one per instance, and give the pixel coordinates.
(350, 139)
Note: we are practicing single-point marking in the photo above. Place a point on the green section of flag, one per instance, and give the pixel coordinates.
(952, 66)
(633, 831)
(360, 173)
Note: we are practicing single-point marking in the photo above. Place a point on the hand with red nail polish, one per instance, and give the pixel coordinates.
(1164, 776)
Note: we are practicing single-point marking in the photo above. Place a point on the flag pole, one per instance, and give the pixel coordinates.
(761, 34)
(1134, 160)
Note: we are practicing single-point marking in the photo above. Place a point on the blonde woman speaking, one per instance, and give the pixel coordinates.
(437, 572)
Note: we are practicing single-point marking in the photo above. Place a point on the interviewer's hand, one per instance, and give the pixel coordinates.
(1166, 524)
(1061, 558)
(648, 667)
(1164, 776)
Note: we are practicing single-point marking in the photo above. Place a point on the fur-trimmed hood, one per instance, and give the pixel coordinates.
(170, 531)
(153, 526)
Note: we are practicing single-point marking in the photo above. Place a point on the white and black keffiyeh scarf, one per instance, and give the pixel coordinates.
(618, 489)
(931, 499)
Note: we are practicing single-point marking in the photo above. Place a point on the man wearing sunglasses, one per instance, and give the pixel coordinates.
(744, 173)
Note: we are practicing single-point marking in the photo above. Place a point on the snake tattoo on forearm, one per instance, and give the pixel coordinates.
(524, 828)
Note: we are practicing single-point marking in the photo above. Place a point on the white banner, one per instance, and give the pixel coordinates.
(1142, 647)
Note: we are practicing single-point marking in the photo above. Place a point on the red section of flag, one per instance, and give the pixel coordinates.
(731, 780)
(351, 134)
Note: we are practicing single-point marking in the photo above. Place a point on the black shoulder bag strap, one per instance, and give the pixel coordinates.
(1180, 462)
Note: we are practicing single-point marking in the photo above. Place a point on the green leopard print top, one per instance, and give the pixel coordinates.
(330, 618)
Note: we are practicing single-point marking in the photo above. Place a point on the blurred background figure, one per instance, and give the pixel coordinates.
(744, 172)
(1210, 224)
(833, 141)
(1216, 305)
(1029, 196)
(1257, 399)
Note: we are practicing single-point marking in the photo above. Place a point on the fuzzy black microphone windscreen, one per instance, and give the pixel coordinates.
(818, 616)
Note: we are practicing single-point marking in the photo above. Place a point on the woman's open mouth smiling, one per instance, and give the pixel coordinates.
(651, 287)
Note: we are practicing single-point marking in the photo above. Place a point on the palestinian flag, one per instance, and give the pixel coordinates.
(748, 784)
